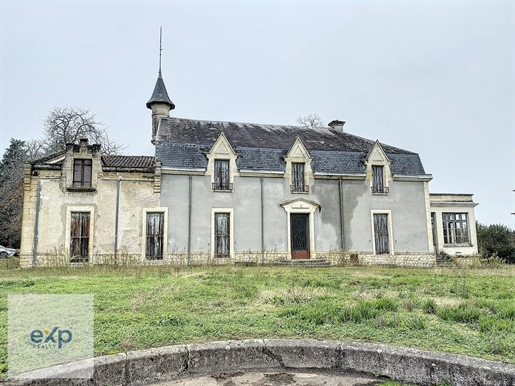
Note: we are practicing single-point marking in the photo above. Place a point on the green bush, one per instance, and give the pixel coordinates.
(496, 241)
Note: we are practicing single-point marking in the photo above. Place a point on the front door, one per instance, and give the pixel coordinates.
(299, 224)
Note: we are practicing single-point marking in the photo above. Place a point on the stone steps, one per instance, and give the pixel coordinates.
(305, 263)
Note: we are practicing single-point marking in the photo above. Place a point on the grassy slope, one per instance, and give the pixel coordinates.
(465, 311)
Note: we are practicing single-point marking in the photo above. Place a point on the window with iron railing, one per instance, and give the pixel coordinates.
(378, 186)
(222, 181)
(297, 177)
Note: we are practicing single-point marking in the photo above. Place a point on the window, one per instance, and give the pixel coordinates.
(79, 236)
(297, 177)
(381, 239)
(455, 228)
(378, 180)
(222, 235)
(155, 235)
(82, 172)
(221, 177)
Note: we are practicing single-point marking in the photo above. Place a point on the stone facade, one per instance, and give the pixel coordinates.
(50, 198)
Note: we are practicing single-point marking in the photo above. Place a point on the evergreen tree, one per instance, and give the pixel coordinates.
(11, 192)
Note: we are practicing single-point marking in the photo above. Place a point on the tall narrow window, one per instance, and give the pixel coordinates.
(79, 236)
(155, 235)
(222, 178)
(297, 177)
(82, 172)
(378, 180)
(455, 228)
(381, 240)
(222, 235)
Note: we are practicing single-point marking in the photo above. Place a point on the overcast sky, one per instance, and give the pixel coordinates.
(433, 77)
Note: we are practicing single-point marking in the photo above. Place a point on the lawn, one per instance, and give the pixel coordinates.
(458, 310)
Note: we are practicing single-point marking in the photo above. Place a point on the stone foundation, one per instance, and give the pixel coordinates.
(246, 258)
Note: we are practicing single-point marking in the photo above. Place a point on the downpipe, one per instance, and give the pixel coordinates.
(116, 220)
(36, 225)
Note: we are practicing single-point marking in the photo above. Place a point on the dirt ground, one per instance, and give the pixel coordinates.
(277, 379)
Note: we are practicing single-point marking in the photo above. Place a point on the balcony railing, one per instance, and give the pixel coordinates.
(299, 188)
(222, 187)
(380, 190)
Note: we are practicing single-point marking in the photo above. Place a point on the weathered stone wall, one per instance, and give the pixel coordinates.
(250, 258)
(57, 202)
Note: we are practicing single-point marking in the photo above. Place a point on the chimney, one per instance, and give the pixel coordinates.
(336, 125)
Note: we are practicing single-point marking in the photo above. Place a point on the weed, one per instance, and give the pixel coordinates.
(429, 306)
(465, 313)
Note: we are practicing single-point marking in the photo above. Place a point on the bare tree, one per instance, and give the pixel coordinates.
(311, 120)
(70, 124)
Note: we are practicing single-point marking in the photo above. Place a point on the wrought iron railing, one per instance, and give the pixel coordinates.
(380, 190)
(222, 187)
(299, 188)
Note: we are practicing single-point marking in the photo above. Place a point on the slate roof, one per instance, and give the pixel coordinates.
(160, 94)
(128, 161)
(182, 143)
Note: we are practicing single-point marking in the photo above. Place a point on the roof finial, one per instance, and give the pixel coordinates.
(160, 48)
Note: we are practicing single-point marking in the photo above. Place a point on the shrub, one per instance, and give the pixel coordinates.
(496, 240)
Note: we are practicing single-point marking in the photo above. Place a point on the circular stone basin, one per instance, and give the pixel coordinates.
(275, 378)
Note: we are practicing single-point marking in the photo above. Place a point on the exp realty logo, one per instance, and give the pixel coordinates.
(46, 339)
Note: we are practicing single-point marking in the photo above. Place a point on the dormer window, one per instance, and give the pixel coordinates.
(221, 165)
(378, 180)
(222, 181)
(297, 174)
(82, 172)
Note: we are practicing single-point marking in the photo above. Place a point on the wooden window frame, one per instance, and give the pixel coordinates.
(82, 172)
(222, 176)
(376, 249)
(80, 238)
(223, 236)
(229, 236)
(298, 178)
(154, 242)
(378, 181)
(455, 228)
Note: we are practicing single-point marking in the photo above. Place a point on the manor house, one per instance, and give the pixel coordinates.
(230, 192)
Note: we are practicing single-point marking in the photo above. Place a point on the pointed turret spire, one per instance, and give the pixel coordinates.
(160, 103)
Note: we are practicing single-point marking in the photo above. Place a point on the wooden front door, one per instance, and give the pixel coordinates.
(299, 228)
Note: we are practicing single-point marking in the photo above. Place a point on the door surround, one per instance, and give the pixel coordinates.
(301, 206)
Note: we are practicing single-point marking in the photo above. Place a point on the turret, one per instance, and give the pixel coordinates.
(159, 102)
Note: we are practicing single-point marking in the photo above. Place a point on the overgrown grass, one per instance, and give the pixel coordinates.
(467, 311)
